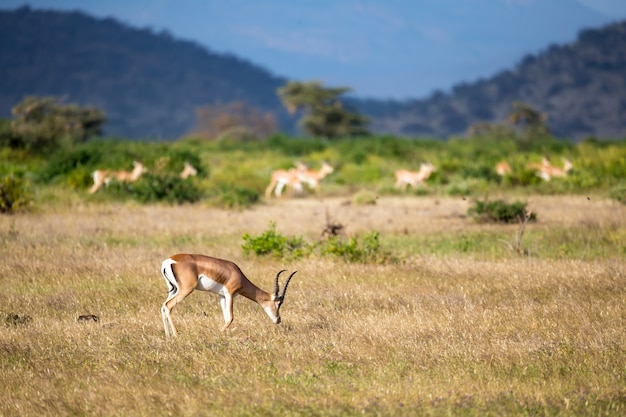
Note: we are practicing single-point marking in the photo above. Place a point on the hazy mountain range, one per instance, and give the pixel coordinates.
(392, 49)
(150, 83)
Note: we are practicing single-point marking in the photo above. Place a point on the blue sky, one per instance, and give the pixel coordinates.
(382, 49)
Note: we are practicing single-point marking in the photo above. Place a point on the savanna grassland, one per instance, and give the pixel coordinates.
(439, 315)
(456, 323)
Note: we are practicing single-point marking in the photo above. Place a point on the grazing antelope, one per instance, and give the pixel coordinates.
(185, 273)
(188, 171)
(313, 177)
(405, 178)
(538, 166)
(503, 168)
(102, 177)
(547, 171)
(282, 178)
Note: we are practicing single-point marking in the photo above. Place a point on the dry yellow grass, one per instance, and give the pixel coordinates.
(432, 334)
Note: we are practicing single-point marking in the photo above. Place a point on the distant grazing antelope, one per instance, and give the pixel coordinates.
(503, 168)
(547, 171)
(313, 177)
(405, 178)
(102, 177)
(185, 273)
(188, 171)
(283, 178)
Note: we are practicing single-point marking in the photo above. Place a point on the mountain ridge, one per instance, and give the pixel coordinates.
(580, 86)
(149, 84)
(136, 76)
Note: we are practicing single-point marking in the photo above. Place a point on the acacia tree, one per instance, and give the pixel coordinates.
(42, 123)
(324, 115)
(530, 121)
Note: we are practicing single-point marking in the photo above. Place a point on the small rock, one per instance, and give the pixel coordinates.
(87, 317)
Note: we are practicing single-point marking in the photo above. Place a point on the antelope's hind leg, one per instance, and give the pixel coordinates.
(226, 301)
(168, 325)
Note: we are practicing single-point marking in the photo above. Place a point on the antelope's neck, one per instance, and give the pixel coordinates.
(252, 292)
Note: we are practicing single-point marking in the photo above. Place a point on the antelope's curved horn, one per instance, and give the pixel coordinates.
(287, 283)
(276, 288)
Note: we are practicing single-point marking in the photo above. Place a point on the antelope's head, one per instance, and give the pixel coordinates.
(273, 310)
(327, 168)
(427, 168)
(138, 168)
(567, 165)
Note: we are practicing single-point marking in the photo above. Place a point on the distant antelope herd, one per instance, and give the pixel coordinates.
(544, 170)
(102, 177)
(293, 179)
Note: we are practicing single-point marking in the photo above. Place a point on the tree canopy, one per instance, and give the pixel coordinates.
(43, 123)
(325, 114)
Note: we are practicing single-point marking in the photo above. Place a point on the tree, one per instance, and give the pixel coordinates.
(233, 118)
(324, 113)
(42, 123)
(530, 122)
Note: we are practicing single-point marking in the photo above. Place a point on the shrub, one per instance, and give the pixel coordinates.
(168, 188)
(465, 187)
(174, 161)
(352, 173)
(236, 197)
(296, 146)
(63, 163)
(498, 211)
(525, 177)
(43, 123)
(618, 194)
(80, 178)
(14, 194)
(273, 243)
(364, 197)
(351, 250)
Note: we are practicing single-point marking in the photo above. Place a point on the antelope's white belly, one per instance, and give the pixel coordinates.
(207, 284)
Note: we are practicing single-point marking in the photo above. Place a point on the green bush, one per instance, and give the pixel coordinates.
(498, 211)
(274, 244)
(525, 177)
(62, 164)
(364, 197)
(174, 160)
(294, 146)
(351, 250)
(235, 197)
(359, 174)
(14, 194)
(42, 124)
(169, 188)
(465, 187)
(618, 194)
(80, 178)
